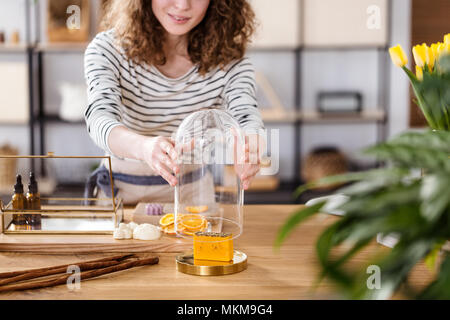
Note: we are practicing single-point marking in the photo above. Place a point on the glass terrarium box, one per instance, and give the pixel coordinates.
(54, 199)
(209, 195)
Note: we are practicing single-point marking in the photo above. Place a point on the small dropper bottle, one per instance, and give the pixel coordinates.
(34, 202)
(19, 203)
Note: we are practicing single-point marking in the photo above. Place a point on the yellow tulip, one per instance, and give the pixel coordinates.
(445, 48)
(398, 56)
(447, 38)
(420, 53)
(419, 73)
(431, 58)
(437, 48)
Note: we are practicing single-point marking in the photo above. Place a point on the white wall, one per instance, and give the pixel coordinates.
(321, 70)
(399, 100)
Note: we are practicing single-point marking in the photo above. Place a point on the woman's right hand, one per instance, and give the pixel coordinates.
(159, 153)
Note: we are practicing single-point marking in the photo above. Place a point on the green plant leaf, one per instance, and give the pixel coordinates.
(385, 201)
(395, 268)
(350, 177)
(294, 220)
(435, 194)
(430, 259)
(440, 288)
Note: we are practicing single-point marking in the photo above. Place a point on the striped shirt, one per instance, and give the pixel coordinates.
(140, 97)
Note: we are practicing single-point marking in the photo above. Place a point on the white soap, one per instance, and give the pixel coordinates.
(132, 225)
(122, 232)
(123, 226)
(146, 231)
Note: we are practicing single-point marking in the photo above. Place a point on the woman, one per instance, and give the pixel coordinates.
(159, 61)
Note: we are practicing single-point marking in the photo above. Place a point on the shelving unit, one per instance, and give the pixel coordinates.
(301, 116)
(62, 47)
(38, 115)
(43, 118)
(27, 49)
(296, 118)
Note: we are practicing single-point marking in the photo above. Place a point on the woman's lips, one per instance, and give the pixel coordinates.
(178, 19)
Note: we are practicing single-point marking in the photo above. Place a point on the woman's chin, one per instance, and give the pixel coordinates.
(178, 30)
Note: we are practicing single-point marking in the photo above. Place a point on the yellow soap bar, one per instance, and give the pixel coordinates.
(213, 246)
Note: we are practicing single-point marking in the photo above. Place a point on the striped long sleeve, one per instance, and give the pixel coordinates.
(140, 97)
(240, 95)
(104, 95)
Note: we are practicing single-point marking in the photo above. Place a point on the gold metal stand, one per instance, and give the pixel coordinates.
(187, 264)
(67, 214)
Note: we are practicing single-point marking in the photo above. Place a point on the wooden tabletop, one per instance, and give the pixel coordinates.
(286, 274)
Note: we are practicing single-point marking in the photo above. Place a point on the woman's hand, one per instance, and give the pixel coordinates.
(159, 153)
(249, 163)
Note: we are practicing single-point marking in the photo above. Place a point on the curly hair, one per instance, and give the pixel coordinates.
(221, 37)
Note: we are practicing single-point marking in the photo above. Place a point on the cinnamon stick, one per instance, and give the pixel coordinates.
(37, 274)
(17, 273)
(83, 275)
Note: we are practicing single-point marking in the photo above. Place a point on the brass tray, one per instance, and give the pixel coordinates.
(187, 264)
(66, 215)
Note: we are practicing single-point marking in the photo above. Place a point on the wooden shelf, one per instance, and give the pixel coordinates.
(52, 118)
(374, 115)
(273, 116)
(261, 48)
(13, 48)
(343, 47)
(315, 117)
(23, 122)
(62, 47)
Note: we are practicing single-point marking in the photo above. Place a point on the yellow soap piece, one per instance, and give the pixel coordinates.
(213, 246)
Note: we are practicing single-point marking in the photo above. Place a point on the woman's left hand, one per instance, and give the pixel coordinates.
(249, 163)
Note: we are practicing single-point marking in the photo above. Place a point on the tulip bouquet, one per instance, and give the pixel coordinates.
(431, 81)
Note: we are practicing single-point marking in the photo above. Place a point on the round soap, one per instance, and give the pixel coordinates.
(153, 209)
(146, 232)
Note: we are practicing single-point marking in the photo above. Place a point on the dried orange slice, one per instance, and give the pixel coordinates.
(169, 230)
(180, 216)
(193, 222)
(189, 233)
(166, 220)
(192, 232)
(197, 209)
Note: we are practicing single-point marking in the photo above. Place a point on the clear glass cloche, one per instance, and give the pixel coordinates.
(209, 194)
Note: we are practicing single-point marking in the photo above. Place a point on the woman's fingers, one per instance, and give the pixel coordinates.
(248, 174)
(168, 162)
(163, 172)
(249, 171)
(168, 148)
(168, 155)
(161, 156)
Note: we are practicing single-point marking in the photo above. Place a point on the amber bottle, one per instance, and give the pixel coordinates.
(19, 202)
(34, 203)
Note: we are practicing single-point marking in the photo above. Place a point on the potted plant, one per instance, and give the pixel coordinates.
(431, 82)
(394, 199)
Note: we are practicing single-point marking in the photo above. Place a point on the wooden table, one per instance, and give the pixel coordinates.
(287, 274)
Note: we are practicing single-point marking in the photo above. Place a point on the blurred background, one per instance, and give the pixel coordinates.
(326, 86)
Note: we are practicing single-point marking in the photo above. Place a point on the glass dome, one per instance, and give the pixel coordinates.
(209, 195)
